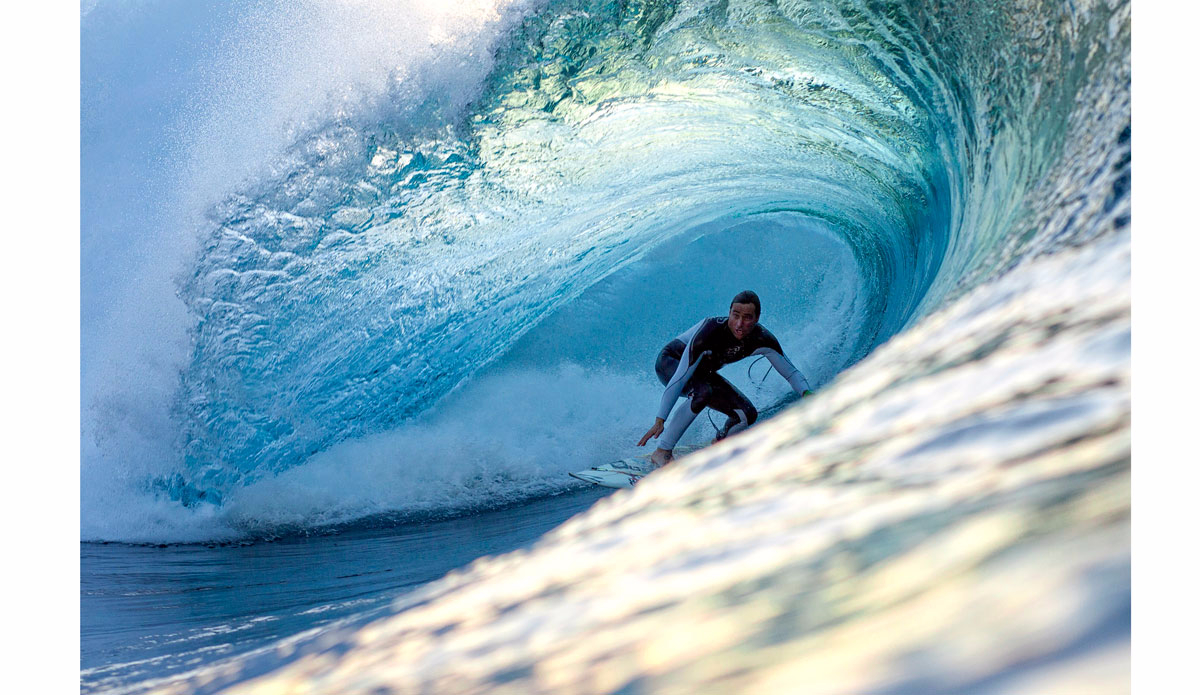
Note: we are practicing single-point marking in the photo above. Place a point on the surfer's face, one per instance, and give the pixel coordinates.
(742, 319)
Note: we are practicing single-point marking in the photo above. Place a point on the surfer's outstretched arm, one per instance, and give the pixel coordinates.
(674, 389)
(688, 362)
(786, 369)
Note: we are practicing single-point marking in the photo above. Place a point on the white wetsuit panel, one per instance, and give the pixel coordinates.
(687, 366)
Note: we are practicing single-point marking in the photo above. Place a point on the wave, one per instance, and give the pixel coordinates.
(451, 284)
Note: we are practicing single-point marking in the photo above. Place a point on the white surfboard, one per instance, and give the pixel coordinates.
(626, 472)
(612, 479)
(637, 465)
(618, 474)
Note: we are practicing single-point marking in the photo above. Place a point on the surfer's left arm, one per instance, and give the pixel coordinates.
(786, 369)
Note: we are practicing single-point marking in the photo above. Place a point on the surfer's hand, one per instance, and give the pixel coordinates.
(653, 432)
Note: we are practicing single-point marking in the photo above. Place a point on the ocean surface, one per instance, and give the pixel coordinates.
(362, 282)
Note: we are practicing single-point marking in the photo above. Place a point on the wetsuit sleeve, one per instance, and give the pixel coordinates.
(785, 368)
(687, 365)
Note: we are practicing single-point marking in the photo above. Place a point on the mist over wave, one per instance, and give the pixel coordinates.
(248, 81)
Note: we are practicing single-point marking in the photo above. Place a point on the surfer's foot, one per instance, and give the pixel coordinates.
(661, 457)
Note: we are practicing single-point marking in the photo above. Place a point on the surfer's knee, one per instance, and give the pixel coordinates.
(742, 417)
(701, 395)
(738, 421)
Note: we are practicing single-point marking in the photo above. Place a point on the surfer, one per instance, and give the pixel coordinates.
(688, 366)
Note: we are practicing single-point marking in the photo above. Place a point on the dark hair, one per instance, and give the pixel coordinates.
(747, 297)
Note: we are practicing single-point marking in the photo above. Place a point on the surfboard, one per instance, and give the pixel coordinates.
(613, 479)
(637, 465)
(617, 474)
(626, 472)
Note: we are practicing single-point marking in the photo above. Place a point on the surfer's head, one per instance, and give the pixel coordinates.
(743, 313)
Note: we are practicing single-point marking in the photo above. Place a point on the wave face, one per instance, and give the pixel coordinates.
(442, 288)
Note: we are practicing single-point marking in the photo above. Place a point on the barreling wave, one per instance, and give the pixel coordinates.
(424, 299)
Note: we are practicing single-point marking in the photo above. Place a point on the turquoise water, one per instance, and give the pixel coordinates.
(419, 268)
(408, 233)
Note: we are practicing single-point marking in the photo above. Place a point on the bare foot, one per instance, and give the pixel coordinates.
(661, 457)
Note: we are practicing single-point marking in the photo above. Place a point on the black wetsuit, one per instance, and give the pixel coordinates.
(688, 366)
